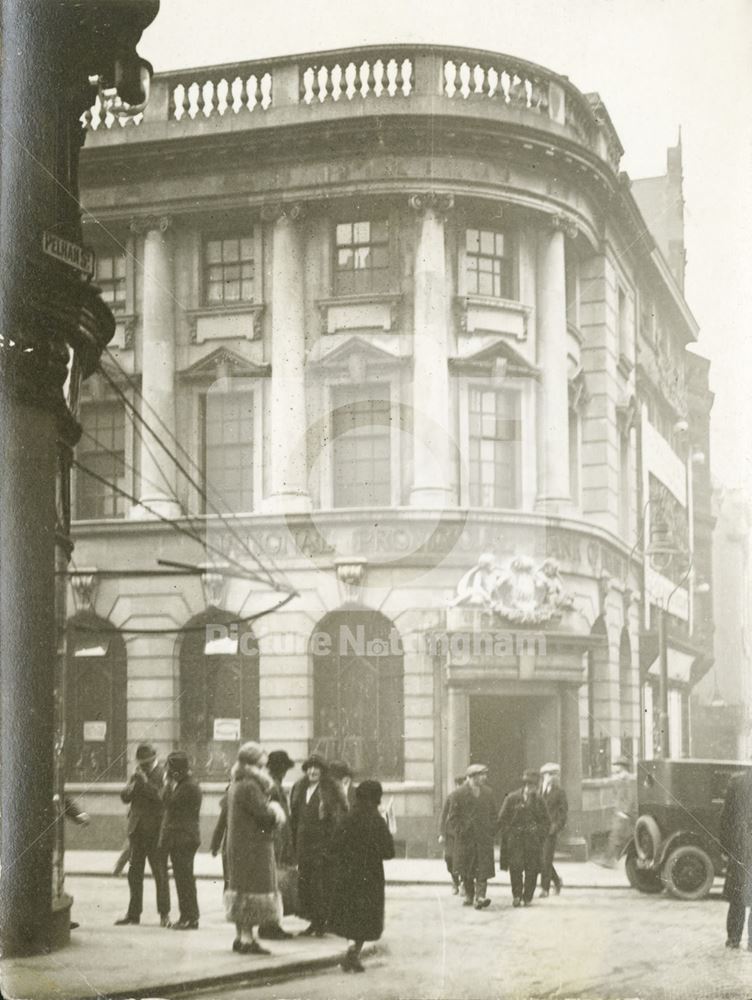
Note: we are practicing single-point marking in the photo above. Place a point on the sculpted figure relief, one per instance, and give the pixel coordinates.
(521, 594)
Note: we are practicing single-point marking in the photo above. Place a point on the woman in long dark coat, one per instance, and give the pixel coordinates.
(736, 843)
(252, 897)
(360, 845)
(317, 805)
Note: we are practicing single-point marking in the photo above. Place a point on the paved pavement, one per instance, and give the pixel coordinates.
(148, 961)
(400, 871)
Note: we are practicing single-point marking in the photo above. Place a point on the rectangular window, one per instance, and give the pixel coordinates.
(490, 265)
(572, 283)
(101, 449)
(362, 258)
(362, 446)
(110, 277)
(494, 448)
(574, 455)
(229, 271)
(625, 347)
(228, 450)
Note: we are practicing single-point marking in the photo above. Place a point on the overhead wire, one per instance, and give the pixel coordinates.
(174, 524)
(201, 491)
(135, 415)
(247, 573)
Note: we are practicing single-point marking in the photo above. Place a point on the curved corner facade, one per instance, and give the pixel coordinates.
(400, 311)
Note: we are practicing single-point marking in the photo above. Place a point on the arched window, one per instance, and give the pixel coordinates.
(219, 691)
(95, 700)
(358, 692)
(596, 749)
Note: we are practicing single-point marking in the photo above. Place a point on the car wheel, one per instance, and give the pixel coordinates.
(688, 872)
(647, 838)
(642, 879)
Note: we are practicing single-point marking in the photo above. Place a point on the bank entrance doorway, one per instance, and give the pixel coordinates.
(510, 734)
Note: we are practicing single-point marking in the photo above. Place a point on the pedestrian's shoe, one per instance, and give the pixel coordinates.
(557, 887)
(164, 920)
(732, 944)
(73, 925)
(467, 901)
(527, 902)
(236, 944)
(185, 925)
(543, 894)
(516, 901)
(127, 919)
(251, 948)
(274, 933)
(481, 904)
(351, 962)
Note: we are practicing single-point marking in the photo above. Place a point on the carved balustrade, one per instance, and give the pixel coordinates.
(385, 75)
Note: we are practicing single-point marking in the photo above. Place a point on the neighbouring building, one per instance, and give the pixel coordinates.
(722, 702)
(427, 372)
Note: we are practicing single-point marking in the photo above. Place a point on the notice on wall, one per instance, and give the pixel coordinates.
(95, 732)
(227, 730)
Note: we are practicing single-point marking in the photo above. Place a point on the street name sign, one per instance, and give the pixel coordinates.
(75, 256)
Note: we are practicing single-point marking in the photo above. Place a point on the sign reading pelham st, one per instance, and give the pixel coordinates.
(75, 256)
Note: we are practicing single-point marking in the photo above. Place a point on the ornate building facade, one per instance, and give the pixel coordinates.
(399, 317)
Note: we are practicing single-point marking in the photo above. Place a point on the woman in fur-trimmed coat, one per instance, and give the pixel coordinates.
(252, 896)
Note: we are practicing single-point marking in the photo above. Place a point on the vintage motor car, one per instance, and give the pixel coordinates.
(675, 844)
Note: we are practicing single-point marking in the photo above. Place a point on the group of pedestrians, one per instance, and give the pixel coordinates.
(527, 826)
(318, 855)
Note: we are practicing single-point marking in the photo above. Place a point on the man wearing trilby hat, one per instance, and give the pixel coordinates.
(143, 794)
(555, 800)
(523, 822)
(471, 816)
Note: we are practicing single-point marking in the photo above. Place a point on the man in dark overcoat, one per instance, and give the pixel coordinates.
(472, 817)
(555, 800)
(143, 794)
(180, 837)
(523, 824)
(447, 835)
(317, 804)
(736, 844)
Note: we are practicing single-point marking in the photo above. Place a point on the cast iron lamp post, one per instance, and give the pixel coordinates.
(53, 327)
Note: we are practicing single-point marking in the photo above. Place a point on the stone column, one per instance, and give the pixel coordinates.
(289, 471)
(553, 399)
(158, 471)
(571, 770)
(432, 439)
(458, 736)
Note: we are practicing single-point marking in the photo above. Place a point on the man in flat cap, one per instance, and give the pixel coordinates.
(555, 800)
(523, 823)
(471, 817)
(143, 794)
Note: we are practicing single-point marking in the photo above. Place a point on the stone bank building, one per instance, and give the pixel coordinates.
(400, 318)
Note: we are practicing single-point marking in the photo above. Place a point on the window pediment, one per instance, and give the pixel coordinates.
(491, 355)
(225, 362)
(343, 353)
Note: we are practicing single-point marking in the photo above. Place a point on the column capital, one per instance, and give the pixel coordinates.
(141, 224)
(293, 211)
(560, 222)
(439, 202)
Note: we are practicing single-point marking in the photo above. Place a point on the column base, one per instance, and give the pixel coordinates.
(287, 503)
(555, 505)
(432, 497)
(152, 508)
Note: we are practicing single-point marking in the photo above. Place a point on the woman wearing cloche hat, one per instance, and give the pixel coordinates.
(252, 896)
